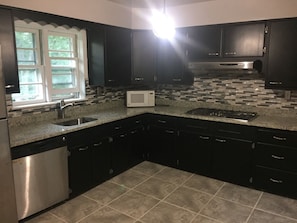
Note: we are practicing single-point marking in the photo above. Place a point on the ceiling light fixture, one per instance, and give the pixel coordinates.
(163, 25)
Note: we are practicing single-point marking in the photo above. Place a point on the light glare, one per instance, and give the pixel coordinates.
(163, 26)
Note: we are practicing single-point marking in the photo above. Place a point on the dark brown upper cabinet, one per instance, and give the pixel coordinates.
(243, 40)
(117, 56)
(204, 42)
(282, 56)
(144, 57)
(172, 60)
(8, 51)
(225, 41)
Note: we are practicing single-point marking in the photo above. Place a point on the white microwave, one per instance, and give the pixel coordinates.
(140, 98)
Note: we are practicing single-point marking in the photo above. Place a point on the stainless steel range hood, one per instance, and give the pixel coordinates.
(223, 67)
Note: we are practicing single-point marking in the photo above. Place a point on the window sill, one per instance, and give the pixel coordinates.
(45, 104)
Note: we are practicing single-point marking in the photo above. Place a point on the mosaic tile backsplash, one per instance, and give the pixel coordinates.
(233, 89)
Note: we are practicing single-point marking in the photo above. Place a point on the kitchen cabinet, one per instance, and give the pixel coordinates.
(8, 51)
(281, 65)
(243, 40)
(275, 166)
(126, 145)
(95, 38)
(117, 56)
(195, 147)
(204, 42)
(232, 155)
(162, 135)
(89, 158)
(144, 57)
(79, 162)
(172, 61)
(101, 159)
(210, 43)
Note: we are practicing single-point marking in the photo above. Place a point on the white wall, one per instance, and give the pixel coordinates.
(100, 11)
(203, 13)
(221, 11)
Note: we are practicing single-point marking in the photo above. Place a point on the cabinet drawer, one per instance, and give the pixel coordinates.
(278, 137)
(275, 181)
(195, 126)
(274, 156)
(234, 131)
(163, 120)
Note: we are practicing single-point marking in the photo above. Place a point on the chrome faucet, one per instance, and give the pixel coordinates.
(61, 108)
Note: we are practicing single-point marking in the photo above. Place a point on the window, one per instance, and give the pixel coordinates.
(51, 62)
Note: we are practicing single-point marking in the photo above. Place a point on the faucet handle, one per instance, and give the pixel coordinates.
(62, 103)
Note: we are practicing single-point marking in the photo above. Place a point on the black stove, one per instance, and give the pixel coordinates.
(238, 115)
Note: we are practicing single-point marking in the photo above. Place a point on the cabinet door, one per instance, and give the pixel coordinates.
(195, 152)
(172, 61)
(96, 55)
(144, 45)
(118, 56)
(80, 169)
(162, 145)
(282, 66)
(203, 42)
(243, 40)
(232, 160)
(101, 159)
(8, 52)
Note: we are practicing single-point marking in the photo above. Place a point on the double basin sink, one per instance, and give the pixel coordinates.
(76, 121)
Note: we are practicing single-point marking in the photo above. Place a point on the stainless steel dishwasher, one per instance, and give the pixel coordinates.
(40, 175)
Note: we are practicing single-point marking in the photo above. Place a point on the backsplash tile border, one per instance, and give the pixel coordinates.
(234, 89)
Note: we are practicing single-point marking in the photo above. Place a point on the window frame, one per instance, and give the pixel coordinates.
(80, 58)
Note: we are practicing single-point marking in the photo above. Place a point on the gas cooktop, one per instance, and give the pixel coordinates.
(238, 115)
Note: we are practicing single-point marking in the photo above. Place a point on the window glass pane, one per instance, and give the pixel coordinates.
(25, 39)
(28, 92)
(29, 76)
(26, 57)
(56, 97)
(63, 78)
(68, 63)
(60, 46)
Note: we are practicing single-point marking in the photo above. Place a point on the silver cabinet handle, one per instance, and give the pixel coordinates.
(117, 127)
(221, 140)
(276, 181)
(138, 78)
(213, 54)
(9, 86)
(230, 53)
(204, 137)
(97, 144)
(278, 157)
(162, 121)
(169, 131)
(279, 138)
(176, 79)
(275, 82)
(83, 148)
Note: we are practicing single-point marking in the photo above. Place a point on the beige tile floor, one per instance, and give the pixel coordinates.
(152, 193)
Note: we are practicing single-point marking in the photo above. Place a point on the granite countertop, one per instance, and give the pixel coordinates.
(30, 132)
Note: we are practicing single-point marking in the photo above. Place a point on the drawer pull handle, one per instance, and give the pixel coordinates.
(204, 137)
(276, 181)
(169, 131)
(278, 157)
(83, 148)
(221, 140)
(280, 138)
(162, 121)
(117, 127)
(98, 144)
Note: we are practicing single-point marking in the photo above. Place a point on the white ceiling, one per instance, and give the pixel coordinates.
(155, 3)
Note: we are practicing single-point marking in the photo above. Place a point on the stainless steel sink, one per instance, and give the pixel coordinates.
(76, 121)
